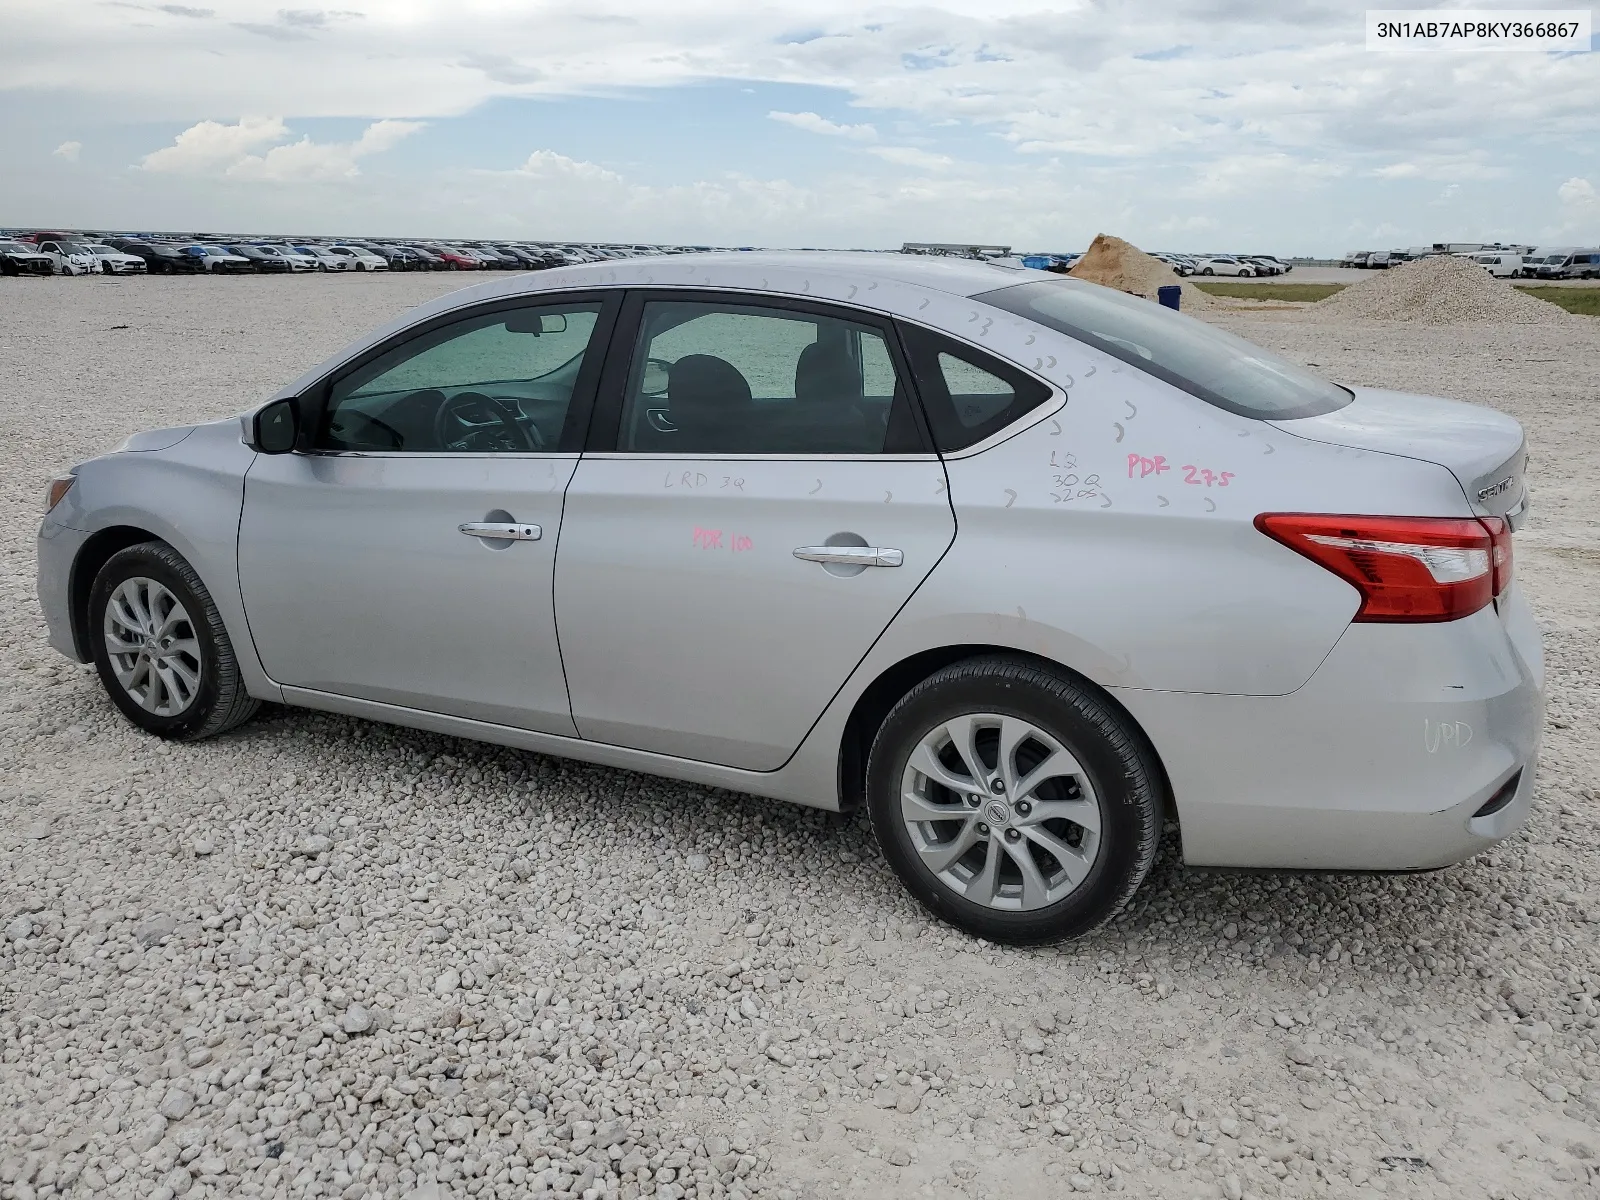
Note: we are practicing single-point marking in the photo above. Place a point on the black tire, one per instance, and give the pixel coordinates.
(1208, 271)
(221, 701)
(1118, 761)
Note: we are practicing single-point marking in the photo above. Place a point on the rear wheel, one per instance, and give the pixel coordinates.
(160, 647)
(1014, 801)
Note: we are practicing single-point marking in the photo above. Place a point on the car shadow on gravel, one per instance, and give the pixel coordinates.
(1395, 925)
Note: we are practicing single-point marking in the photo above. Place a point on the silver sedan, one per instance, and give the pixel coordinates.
(1023, 565)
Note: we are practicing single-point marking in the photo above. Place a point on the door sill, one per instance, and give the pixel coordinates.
(760, 783)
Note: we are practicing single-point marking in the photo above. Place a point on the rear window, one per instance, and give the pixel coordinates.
(1214, 366)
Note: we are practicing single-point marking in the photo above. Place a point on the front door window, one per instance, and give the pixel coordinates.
(500, 382)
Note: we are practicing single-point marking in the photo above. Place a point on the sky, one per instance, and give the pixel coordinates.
(1260, 126)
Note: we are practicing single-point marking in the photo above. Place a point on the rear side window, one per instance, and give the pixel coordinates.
(968, 394)
(1214, 366)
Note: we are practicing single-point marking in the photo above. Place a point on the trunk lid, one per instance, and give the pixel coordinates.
(1485, 450)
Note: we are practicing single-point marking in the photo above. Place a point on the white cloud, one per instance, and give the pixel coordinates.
(306, 160)
(211, 146)
(68, 151)
(812, 123)
(910, 156)
(1580, 210)
(547, 164)
(1578, 192)
(235, 151)
(1445, 167)
(1266, 101)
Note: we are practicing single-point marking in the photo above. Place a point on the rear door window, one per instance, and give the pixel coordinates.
(730, 376)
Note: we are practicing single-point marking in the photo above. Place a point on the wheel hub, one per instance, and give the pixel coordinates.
(152, 646)
(1000, 811)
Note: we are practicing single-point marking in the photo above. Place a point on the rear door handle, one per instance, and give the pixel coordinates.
(853, 556)
(507, 531)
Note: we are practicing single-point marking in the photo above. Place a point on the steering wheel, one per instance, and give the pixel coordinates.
(473, 421)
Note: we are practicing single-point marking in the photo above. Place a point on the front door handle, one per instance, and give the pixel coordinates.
(506, 531)
(852, 556)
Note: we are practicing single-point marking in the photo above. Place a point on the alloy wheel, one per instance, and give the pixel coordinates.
(153, 648)
(1000, 812)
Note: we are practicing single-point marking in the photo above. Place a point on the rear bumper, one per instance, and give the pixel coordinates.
(1380, 762)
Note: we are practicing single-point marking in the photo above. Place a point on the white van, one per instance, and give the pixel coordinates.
(1569, 264)
(1502, 264)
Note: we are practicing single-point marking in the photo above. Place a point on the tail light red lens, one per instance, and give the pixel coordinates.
(1499, 552)
(1406, 568)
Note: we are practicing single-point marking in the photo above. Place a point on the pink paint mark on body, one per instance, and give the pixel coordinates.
(1142, 467)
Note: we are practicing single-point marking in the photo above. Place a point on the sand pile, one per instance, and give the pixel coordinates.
(1438, 291)
(1115, 263)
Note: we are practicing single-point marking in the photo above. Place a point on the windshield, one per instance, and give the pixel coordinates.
(75, 247)
(1217, 367)
(17, 248)
(1556, 259)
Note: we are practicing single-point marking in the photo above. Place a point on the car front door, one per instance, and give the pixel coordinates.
(759, 499)
(405, 554)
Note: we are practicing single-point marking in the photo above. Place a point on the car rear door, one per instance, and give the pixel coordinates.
(757, 502)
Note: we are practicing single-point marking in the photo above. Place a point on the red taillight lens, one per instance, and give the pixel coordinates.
(1406, 568)
(1499, 552)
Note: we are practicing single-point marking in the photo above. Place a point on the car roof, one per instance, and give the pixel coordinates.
(748, 271)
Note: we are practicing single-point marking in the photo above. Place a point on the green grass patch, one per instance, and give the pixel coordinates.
(1584, 301)
(1295, 292)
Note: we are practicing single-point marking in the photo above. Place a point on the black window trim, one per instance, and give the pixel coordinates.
(314, 400)
(605, 425)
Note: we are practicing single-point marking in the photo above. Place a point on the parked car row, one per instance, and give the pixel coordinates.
(1243, 265)
(46, 252)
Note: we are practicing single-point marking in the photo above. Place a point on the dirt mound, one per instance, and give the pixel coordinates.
(1441, 290)
(1115, 263)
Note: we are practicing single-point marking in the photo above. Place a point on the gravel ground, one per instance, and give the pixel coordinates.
(319, 957)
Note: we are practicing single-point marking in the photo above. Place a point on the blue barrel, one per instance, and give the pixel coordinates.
(1169, 294)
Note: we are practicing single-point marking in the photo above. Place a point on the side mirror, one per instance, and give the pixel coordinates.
(275, 429)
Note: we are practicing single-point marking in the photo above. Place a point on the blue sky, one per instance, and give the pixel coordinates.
(1191, 124)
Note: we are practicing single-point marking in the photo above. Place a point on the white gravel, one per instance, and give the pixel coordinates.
(1442, 290)
(320, 957)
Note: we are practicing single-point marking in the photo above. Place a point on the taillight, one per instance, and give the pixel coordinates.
(1499, 552)
(1406, 568)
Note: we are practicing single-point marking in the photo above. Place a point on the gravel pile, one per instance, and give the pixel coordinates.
(325, 958)
(1112, 262)
(1441, 290)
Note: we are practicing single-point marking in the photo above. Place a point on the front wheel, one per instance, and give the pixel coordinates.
(1208, 271)
(1014, 801)
(160, 647)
